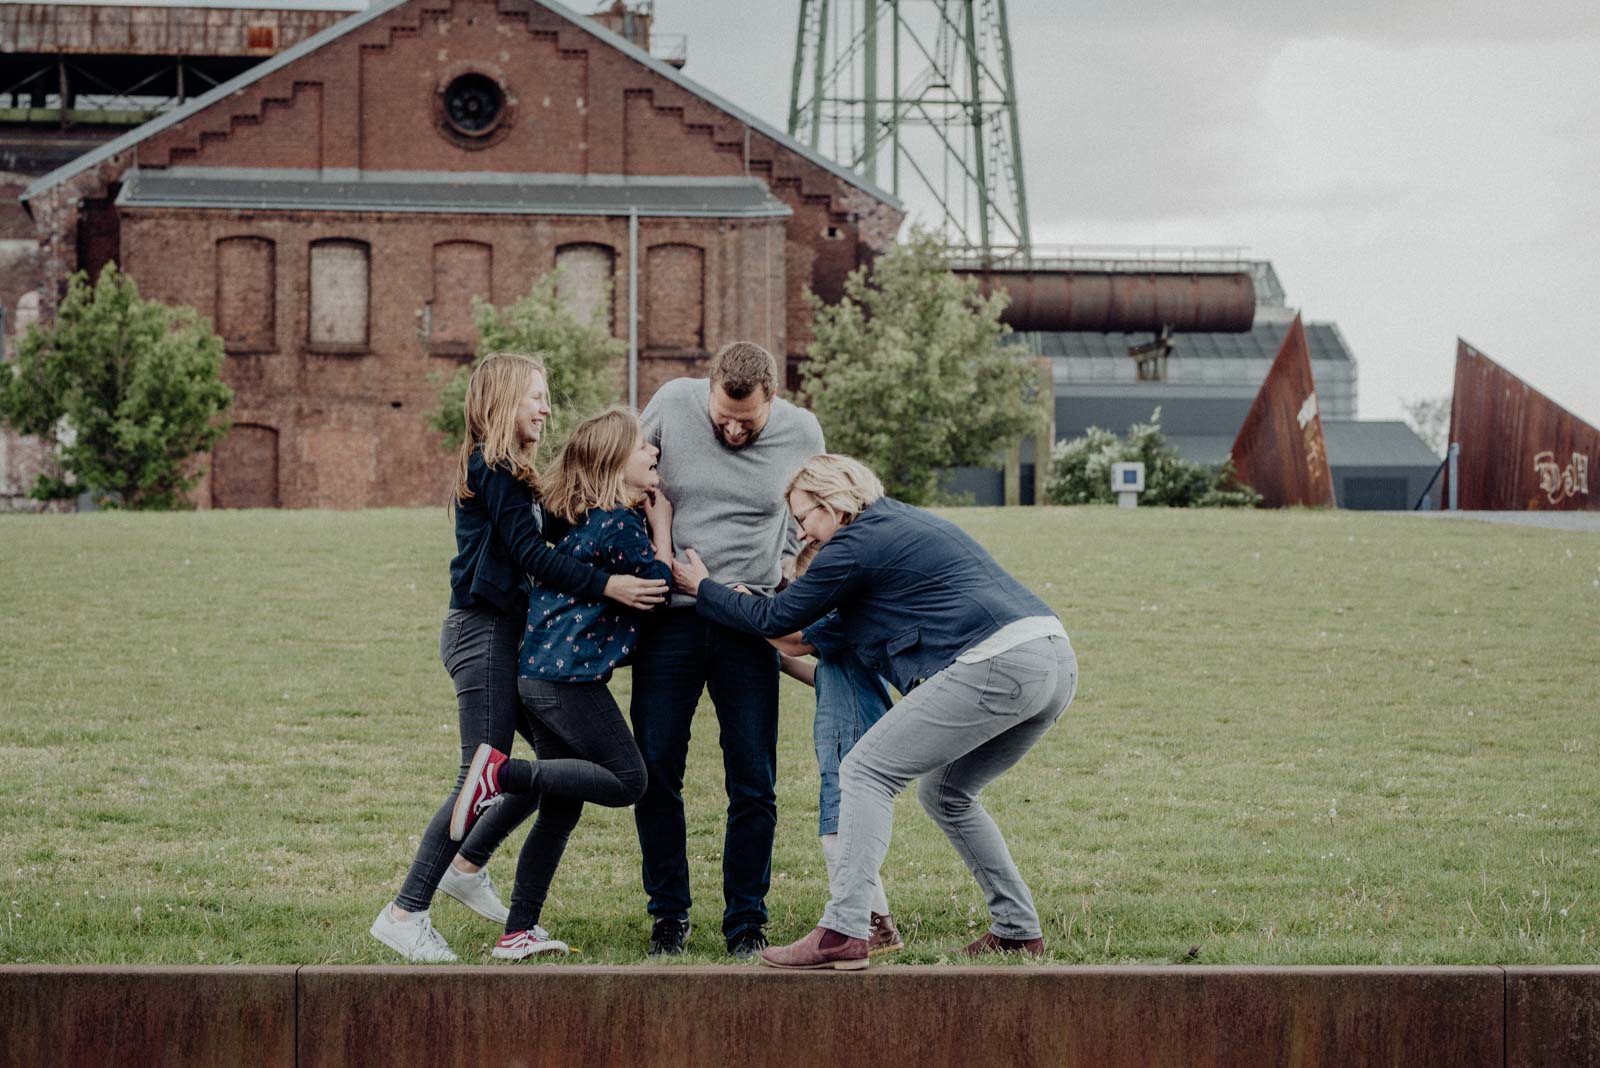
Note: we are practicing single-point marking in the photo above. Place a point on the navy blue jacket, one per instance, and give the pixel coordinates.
(500, 542)
(576, 639)
(914, 592)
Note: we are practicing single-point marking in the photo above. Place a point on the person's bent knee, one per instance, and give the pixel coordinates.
(941, 803)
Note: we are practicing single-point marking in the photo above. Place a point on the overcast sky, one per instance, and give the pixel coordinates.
(1417, 170)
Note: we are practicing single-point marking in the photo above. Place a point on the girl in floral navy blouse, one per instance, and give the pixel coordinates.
(604, 483)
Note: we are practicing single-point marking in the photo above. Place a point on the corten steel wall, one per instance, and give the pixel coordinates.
(350, 424)
(927, 1016)
(1280, 450)
(1047, 300)
(1520, 450)
(89, 29)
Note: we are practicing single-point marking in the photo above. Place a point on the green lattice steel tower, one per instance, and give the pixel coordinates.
(919, 96)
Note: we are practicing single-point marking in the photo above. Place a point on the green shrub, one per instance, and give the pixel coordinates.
(579, 360)
(127, 389)
(908, 373)
(1080, 471)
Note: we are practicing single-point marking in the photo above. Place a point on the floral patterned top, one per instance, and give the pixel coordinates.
(573, 639)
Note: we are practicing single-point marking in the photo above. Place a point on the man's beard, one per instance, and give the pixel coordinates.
(749, 439)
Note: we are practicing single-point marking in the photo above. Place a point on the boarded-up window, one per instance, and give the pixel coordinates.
(247, 293)
(461, 270)
(339, 286)
(675, 298)
(244, 468)
(584, 281)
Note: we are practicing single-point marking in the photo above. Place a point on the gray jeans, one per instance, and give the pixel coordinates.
(957, 732)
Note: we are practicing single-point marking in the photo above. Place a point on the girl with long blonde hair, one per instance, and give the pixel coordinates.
(500, 541)
(605, 484)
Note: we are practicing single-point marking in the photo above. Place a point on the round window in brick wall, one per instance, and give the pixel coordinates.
(472, 108)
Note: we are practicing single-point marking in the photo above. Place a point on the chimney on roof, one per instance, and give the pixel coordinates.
(633, 22)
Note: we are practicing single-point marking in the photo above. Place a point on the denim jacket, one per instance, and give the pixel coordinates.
(914, 591)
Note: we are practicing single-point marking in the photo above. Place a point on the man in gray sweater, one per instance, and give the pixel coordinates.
(728, 447)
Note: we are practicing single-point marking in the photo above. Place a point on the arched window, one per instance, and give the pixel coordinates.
(675, 297)
(461, 270)
(247, 291)
(340, 284)
(584, 281)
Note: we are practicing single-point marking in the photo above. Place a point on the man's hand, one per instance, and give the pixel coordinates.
(688, 575)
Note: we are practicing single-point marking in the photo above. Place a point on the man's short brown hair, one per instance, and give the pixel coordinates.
(740, 366)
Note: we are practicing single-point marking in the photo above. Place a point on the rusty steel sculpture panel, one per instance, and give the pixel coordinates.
(1280, 452)
(1520, 450)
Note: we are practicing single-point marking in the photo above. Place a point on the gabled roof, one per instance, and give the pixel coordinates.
(383, 7)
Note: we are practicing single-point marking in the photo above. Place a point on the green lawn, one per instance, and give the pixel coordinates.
(1300, 738)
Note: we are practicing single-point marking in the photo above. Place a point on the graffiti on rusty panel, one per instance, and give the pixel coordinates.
(1520, 450)
(1560, 483)
(1280, 450)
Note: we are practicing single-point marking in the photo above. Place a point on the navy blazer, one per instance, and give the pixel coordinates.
(500, 542)
(914, 592)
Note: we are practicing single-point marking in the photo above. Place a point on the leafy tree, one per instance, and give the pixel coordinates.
(1081, 471)
(908, 373)
(128, 390)
(1430, 418)
(578, 358)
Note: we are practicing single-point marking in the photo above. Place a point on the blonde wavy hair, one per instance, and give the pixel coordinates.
(588, 471)
(842, 485)
(494, 392)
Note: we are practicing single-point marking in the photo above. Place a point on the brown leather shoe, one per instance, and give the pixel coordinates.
(993, 943)
(821, 948)
(884, 938)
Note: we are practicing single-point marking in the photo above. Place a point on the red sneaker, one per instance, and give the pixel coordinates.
(515, 945)
(479, 793)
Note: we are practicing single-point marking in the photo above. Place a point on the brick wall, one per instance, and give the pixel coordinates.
(350, 420)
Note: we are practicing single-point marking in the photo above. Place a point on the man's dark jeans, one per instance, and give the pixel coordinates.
(679, 655)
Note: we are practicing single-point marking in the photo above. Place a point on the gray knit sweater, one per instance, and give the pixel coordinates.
(727, 504)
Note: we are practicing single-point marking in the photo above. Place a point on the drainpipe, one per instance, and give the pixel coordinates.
(633, 308)
(1455, 482)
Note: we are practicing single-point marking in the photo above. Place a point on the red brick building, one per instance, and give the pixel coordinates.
(335, 209)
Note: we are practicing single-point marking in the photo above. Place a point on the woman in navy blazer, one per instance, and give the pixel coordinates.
(985, 666)
(500, 541)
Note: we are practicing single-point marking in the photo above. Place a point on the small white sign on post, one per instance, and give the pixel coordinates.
(1127, 482)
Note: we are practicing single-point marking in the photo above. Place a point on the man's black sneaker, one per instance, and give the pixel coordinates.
(746, 943)
(669, 937)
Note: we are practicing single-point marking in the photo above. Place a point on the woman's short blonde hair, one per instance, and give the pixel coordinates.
(842, 485)
(494, 393)
(588, 471)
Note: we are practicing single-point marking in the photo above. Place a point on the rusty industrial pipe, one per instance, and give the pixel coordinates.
(1113, 301)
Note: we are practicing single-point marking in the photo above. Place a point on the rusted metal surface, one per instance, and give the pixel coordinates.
(927, 1016)
(1105, 301)
(146, 1015)
(1552, 1017)
(1279, 451)
(1520, 450)
(85, 29)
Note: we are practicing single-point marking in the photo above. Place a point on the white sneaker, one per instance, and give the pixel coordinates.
(519, 944)
(413, 938)
(476, 891)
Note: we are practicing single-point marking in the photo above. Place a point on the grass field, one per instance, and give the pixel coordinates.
(1300, 738)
